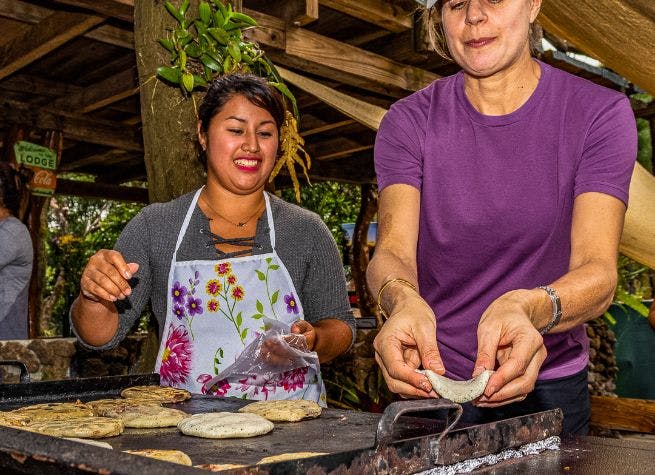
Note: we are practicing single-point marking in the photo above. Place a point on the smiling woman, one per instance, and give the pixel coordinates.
(215, 262)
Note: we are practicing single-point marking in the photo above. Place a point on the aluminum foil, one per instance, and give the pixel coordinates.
(466, 466)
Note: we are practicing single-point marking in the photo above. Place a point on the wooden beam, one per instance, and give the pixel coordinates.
(379, 12)
(121, 9)
(113, 89)
(636, 415)
(83, 129)
(47, 90)
(42, 38)
(101, 190)
(323, 56)
(354, 61)
(270, 31)
(344, 153)
(327, 127)
(295, 12)
(30, 13)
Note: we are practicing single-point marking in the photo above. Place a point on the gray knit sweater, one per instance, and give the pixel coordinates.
(303, 243)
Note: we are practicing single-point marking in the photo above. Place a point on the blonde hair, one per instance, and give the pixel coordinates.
(437, 39)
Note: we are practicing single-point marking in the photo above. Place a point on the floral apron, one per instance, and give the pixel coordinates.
(215, 309)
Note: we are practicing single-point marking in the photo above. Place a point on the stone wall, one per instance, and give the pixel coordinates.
(61, 358)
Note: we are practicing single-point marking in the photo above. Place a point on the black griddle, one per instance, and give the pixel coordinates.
(410, 437)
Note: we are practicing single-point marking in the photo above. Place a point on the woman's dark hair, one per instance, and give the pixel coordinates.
(257, 90)
(9, 197)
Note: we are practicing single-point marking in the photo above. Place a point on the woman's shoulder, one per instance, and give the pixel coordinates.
(168, 211)
(292, 216)
(13, 227)
(579, 89)
(420, 103)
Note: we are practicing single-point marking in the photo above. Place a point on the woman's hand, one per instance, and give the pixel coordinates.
(306, 329)
(407, 340)
(106, 276)
(506, 334)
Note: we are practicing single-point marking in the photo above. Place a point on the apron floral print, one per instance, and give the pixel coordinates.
(215, 309)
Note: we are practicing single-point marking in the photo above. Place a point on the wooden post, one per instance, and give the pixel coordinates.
(360, 251)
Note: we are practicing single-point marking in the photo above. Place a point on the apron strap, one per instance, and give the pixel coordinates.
(269, 216)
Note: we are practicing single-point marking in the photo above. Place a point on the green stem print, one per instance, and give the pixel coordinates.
(231, 293)
(272, 298)
(218, 355)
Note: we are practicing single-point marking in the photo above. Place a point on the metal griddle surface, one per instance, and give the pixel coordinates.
(334, 431)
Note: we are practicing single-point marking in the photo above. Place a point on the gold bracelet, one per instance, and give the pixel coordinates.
(383, 313)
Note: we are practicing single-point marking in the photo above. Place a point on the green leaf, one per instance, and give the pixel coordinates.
(210, 63)
(220, 352)
(184, 7)
(260, 275)
(201, 27)
(631, 301)
(221, 6)
(243, 18)
(257, 316)
(227, 64)
(231, 26)
(610, 319)
(172, 75)
(268, 260)
(274, 267)
(219, 34)
(235, 51)
(274, 297)
(199, 81)
(187, 81)
(193, 50)
(219, 19)
(244, 333)
(205, 12)
(166, 43)
(283, 89)
(185, 39)
(183, 58)
(260, 307)
(239, 319)
(173, 11)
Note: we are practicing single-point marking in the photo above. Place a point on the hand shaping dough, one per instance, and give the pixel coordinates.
(458, 391)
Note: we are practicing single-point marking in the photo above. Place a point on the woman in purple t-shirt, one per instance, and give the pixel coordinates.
(503, 190)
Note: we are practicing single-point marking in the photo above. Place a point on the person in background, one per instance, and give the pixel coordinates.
(503, 190)
(16, 255)
(216, 261)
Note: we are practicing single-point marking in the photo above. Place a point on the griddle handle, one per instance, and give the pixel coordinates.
(24, 373)
(384, 435)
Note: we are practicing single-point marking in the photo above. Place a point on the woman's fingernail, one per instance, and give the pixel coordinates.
(112, 298)
(127, 292)
(426, 386)
(127, 274)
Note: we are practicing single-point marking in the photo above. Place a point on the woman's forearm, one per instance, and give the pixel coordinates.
(333, 338)
(96, 323)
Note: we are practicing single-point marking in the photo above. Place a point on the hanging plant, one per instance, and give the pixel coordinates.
(212, 44)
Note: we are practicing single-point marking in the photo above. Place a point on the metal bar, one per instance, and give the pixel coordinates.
(17, 394)
(24, 373)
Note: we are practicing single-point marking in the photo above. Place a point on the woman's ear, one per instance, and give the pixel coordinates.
(202, 136)
(534, 11)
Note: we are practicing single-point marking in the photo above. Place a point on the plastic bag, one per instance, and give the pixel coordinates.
(270, 358)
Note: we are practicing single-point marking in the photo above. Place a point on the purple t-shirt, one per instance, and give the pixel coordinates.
(497, 196)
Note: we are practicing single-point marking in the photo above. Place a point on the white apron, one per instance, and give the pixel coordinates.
(215, 309)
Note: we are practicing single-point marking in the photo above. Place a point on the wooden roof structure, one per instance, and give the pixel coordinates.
(70, 65)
